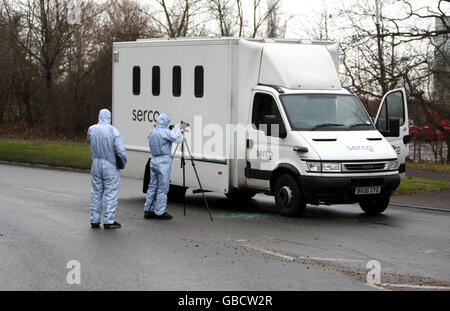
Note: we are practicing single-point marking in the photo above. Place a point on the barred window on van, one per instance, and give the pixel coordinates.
(156, 80)
(136, 80)
(198, 81)
(176, 81)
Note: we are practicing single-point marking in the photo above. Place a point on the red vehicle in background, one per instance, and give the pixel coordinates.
(428, 131)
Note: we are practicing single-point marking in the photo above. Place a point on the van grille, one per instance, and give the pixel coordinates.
(366, 167)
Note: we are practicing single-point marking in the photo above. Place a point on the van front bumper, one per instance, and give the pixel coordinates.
(341, 190)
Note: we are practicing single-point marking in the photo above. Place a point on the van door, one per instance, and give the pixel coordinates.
(394, 105)
(263, 142)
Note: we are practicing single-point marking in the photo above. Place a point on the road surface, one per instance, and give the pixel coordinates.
(44, 225)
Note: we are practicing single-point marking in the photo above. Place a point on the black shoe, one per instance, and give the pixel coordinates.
(95, 226)
(115, 225)
(165, 216)
(149, 215)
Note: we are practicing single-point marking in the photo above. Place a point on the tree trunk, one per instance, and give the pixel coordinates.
(2, 109)
(51, 107)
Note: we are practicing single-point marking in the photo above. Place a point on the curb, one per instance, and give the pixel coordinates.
(58, 168)
(421, 207)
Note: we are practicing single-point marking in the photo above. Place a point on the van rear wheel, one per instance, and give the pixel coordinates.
(375, 206)
(288, 196)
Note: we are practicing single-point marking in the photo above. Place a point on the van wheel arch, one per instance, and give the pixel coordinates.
(284, 168)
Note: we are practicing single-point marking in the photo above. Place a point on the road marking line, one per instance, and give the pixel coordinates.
(290, 258)
(47, 192)
(416, 286)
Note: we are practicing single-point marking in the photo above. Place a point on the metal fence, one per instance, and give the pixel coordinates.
(421, 148)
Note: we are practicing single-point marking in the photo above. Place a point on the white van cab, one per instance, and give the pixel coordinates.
(266, 116)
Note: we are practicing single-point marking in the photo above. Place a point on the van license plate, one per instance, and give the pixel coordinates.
(368, 190)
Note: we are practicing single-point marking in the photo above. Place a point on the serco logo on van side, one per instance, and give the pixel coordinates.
(145, 115)
(356, 148)
(264, 155)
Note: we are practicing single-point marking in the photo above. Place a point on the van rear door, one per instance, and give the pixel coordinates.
(394, 105)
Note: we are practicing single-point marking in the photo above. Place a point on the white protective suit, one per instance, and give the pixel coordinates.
(106, 142)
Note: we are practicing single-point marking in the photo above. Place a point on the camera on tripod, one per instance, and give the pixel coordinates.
(184, 125)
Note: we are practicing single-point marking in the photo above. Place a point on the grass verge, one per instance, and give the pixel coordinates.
(411, 185)
(437, 167)
(53, 154)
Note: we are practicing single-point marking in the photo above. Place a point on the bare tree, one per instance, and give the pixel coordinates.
(44, 39)
(260, 15)
(275, 28)
(128, 21)
(178, 20)
(4, 85)
(222, 11)
(77, 70)
(240, 17)
(18, 79)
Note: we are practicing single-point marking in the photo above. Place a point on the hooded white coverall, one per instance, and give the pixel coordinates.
(160, 142)
(106, 141)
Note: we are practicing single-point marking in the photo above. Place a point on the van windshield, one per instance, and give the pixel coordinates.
(325, 112)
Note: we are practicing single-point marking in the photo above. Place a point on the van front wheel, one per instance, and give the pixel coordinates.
(375, 206)
(288, 196)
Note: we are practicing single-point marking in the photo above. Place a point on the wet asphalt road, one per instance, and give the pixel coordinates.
(44, 223)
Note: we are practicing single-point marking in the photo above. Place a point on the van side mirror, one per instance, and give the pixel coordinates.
(394, 127)
(270, 120)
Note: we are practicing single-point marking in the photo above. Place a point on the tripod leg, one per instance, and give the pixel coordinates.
(183, 165)
(198, 179)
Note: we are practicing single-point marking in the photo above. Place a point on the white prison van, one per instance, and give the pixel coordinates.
(266, 116)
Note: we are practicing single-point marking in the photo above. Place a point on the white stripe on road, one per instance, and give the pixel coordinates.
(291, 258)
(267, 251)
(416, 286)
(46, 192)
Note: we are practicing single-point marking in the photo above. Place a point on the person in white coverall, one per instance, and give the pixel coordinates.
(106, 143)
(160, 141)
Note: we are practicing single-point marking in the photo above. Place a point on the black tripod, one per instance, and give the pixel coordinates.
(183, 166)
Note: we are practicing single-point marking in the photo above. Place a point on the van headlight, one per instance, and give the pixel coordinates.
(394, 165)
(331, 167)
(325, 167)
